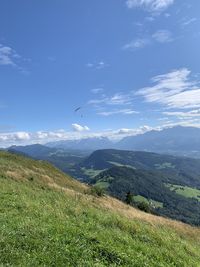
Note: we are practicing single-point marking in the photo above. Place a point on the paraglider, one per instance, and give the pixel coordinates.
(77, 109)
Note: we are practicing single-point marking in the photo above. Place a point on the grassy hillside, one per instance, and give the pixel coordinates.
(48, 219)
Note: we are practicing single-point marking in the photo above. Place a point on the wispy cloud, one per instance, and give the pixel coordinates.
(117, 112)
(137, 43)
(9, 57)
(195, 113)
(160, 36)
(97, 90)
(116, 99)
(150, 5)
(163, 36)
(97, 65)
(175, 89)
(79, 128)
(188, 21)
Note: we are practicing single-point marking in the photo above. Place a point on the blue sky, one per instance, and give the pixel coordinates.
(131, 65)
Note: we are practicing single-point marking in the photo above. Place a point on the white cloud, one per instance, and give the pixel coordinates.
(42, 137)
(160, 36)
(137, 43)
(150, 5)
(90, 65)
(184, 114)
(123, 132)
(141, 129)
(150, 18)
(116, 99)
(163, 36)
(184, 123)
(97, 90)
(97, 65)
(117, 112)
(79, 128)
(174, 90)
(15, 136)
(8, 56)
(22, 136)
(119, 99)
(167, 15)
(188, 21)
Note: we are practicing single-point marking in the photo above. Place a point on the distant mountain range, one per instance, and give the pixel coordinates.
(89, 144)
(182, 141)
(178, 141)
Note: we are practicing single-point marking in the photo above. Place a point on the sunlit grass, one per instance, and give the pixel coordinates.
(57, 224)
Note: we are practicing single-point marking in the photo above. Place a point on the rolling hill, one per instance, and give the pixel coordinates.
(151, 187)
(49, 219)
(178, 170)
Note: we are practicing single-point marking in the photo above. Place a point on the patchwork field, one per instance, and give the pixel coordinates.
(185, 191)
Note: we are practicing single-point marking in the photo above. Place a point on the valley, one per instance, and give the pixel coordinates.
(145, 174)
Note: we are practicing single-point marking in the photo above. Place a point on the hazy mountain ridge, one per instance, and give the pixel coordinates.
(183, 141)
(178, 140)
(90, 144)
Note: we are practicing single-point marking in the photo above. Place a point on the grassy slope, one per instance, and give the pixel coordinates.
(47, 220)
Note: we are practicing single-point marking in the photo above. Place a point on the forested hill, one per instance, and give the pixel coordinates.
(179, 170)
(153, 188)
